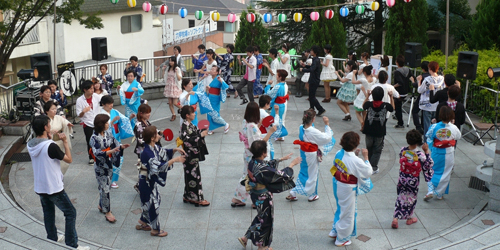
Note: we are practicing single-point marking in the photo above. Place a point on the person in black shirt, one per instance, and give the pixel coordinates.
(414, 112)
(402, 78)
(442, 95)
(315, 70)
(374, 126)
(453, 94)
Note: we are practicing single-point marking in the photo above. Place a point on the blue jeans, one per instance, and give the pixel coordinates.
(427, 118)
(62, 201)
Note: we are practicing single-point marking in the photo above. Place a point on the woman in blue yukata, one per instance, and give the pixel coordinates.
(351, 177)
(119, 127)
(264, 178)
(130, 93)
(199, 60)
(216, 94)
(105, 78)
(155, 162)
(279, 96)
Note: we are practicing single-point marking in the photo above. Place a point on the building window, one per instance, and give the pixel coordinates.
(230, 27)
(191, 23)
(131, 24)
(220, 26)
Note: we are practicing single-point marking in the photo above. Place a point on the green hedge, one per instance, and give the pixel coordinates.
(481, 102)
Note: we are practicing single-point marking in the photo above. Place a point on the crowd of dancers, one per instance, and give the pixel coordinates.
(430, 148)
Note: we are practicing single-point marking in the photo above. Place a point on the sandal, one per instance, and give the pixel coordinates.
(173, 118)
(100, 209)
(428, 197)
(160, 233)
(109, 220)
(143, 227)
(203, 203)
(411, 221)
(234, 204)
(292, 198)
(313, 199)
(254, 207)
(395, 225)
(242, 242)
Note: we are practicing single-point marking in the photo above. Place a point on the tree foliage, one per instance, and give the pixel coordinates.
(251, 34)
(485, 31)
(460, 19)
(407, 23)
(328, 31)
(21, 16)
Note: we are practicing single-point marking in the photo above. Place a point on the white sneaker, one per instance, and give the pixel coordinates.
(60, 238)
(341, 244)
(332, 234)
(226, 128)
(114, 185)
(83, 248)
(210, 132)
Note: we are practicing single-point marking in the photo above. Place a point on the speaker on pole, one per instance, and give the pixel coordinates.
(42, 63)
(99, 48)
(467, 64)
(413, 54)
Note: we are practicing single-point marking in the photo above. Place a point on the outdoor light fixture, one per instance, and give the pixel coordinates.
(493, 72)
(24, 74)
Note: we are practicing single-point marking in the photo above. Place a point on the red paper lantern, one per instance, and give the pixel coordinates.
(163, 9)
(329, 14)
(251, 17)
(407, 1)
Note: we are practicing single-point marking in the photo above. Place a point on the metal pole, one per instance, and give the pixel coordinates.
(55, 9)
(447, 31)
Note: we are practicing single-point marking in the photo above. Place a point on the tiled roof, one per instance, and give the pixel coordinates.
(105, 6)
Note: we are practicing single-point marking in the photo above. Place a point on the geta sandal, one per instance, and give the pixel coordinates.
(292, 198)
(394, 224)
(160, 233)
(411, 221)
(143, 227)
(109, 220)
(242, 204)
(242, 242)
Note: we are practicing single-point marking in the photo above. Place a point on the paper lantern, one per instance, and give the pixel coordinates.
(183, 12)
(344, 11)
(231, 17)
(114, 1)
(251, 17)
(146, 6)
(131, 3)
(163, 9)
(390, 3)
(267, 17)
(281, 18)
(407, 1)
(198, 14)
(297, 17)
(215, 16)
(360, 9)
(329, 14)
(314, 16)
(374, 5)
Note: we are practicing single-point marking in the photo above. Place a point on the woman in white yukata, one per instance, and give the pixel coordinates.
(249, 133)
(310, 141)
(351, 177)
(442, 138)
(58, 124)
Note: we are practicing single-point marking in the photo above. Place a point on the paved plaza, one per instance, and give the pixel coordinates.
(298, 225)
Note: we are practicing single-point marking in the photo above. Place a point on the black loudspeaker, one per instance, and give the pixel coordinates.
(42, 63)
(467, 65)
(99, 48)
(413, 54)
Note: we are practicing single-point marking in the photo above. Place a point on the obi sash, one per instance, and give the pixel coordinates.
(281, 99)
(410, 168)
(345, 178)
(115, 126)
(214, 91)
(129, 94)
(306, 146)
(105, 150)
(444, 144)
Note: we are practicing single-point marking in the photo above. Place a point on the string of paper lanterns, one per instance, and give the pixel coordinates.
(267, 17)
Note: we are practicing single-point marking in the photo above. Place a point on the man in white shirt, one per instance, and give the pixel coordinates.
(382, 79)
(271, 79)
(87, 107)
(46, 159)
(249, 78)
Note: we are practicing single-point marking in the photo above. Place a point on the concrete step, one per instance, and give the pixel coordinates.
(480, 232)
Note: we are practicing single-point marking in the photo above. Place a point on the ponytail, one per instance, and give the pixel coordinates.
(308, 116)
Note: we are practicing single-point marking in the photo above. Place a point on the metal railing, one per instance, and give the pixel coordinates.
(7, 96)
(482, 101)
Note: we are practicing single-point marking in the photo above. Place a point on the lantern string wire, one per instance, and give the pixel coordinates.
(292, 9)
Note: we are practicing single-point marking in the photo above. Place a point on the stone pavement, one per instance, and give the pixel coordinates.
(298, 225)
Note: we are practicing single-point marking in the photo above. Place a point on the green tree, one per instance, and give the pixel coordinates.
(21, 16)
(406, 23)
(251, 34)
(460, 19)
(485, 31)
(328, 31)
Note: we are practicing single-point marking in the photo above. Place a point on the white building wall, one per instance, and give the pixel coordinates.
(30, 49)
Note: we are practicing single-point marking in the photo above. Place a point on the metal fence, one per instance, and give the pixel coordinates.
(7, 95)
(482, 101)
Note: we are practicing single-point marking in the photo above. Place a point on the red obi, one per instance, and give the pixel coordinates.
(260, 66)
(344, 178)
(105, 150)
(129, 95)
(410, 168)
(306, 146)
(214, 91)
(281, 99)
(194, 106)
(444, 144)
(115, 126)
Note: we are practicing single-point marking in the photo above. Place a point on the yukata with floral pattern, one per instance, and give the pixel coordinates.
(108, 84)
(155, 159)
(271, 180)
(196, 149)
(412, 163)
(103, 165)
(138, 129)
(226, 70)
(257, 87)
